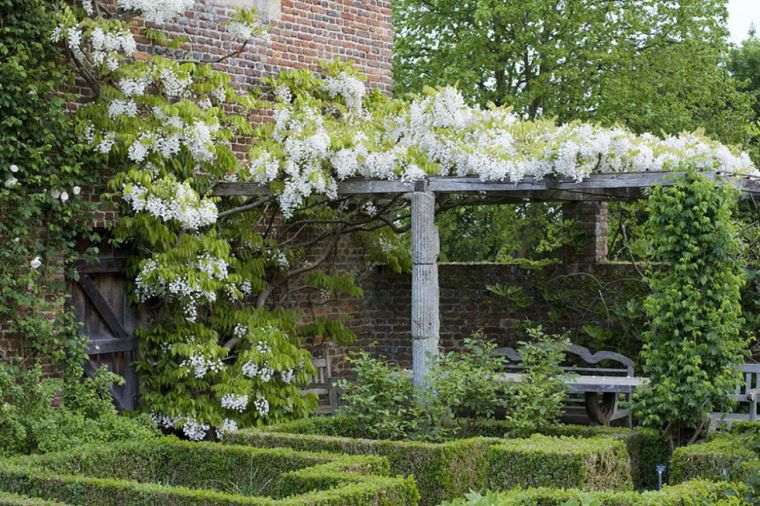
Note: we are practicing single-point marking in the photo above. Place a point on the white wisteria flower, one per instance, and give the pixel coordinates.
(234, 402)
(194, 430)
(200, 365)
(157, 11)
(262, 406)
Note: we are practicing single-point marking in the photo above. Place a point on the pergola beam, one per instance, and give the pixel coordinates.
(597, 187)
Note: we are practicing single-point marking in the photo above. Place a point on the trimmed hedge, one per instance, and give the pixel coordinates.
(442, 470)
(20, 500)
(172, 472)
(599, 463)
(451, 469)
(693, 493)
(646, 447)
(719, 459)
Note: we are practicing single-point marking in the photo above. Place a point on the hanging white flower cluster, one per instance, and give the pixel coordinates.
(151, 282)
(199, 365)
(253, 370)
(234, 402)
(440, 135)
(288, 376)
(351, 88)
(215, 268)
(106, 48)
(194, 430)
(240, 331)
(262, 406)
(169, 200)
(157, 11)
(228, 426)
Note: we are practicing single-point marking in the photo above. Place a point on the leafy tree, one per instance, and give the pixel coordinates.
(693, 342)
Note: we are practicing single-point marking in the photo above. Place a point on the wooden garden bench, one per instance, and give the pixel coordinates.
(598, 380)
(747, 393)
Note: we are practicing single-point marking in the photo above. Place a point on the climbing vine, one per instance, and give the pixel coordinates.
(218, 272)
(694, 340)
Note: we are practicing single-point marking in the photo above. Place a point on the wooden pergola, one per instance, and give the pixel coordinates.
(425, 327)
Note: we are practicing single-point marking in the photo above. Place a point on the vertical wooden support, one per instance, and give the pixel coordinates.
(425, 297)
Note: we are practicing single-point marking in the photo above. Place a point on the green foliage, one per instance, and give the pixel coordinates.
(175, 472)
(43, 168)
(468, 381)
(382, 399)
(447, 469)
(718, 459)
(7, 499)
(31, 423)
(460, 384)
(536, 401)
(598, 463)
(441, 470)
(692, 493)
(693, 342)
(646, 447)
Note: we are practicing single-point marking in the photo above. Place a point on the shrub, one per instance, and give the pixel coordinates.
(541, 461)
(29, 421)
(162, 472)
(468, 381)
(693, 493)
(381, 400)
(536, 401)
(646, 447)
(719, 459)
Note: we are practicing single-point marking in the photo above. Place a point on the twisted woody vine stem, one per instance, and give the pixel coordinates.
(223, 351)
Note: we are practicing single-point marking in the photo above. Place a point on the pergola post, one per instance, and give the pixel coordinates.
(425, 297)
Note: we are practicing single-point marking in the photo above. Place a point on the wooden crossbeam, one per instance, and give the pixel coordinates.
(597, 187)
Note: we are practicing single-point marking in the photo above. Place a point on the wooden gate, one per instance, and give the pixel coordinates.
(100, 301)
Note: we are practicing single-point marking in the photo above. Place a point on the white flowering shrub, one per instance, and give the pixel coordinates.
(222, 351)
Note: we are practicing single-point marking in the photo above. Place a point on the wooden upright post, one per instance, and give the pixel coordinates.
(425, 297)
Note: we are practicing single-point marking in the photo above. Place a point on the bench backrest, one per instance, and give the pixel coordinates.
(624, 365)
(750, 381)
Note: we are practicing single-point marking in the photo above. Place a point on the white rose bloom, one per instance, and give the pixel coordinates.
(14, 168)
(64, 197)
(76, 190)
(36, 263)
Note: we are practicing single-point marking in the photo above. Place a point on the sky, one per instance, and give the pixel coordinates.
(741, 13)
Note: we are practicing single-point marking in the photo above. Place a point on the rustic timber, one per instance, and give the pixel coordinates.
(597, 187)
(425, 296)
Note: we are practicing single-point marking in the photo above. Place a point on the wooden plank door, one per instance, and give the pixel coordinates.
(100, 301)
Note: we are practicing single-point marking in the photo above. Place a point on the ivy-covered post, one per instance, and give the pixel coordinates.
(425, 297)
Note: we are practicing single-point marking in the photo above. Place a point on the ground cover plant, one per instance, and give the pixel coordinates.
(169, 471)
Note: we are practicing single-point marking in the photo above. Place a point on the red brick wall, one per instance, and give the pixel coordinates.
(305, 33)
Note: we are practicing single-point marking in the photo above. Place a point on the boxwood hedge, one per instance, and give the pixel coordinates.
(598, 463)
(173, 472)
(442, 470)
(7, 499)
(693, 493)
(449, 469)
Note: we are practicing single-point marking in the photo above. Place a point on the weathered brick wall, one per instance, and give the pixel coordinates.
(563, 299)
(303, 33)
